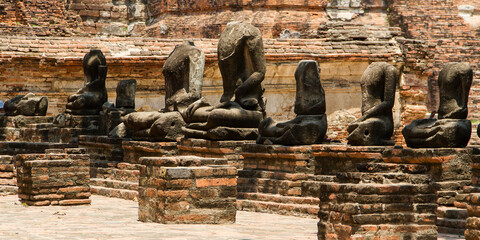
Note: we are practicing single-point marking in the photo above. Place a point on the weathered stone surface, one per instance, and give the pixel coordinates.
(451, 130)
(27, 105)
(242, 64)
(183, 71)
(89, 99)
(58, 177)
(126, 93)
(375, 127)
(310, 125)
(187, 189)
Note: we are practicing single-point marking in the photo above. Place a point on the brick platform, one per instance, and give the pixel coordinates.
(472, 231)
(8, 179)
(231, 150)
(187, 189)
(378, 201)
(109, 175)
(451, 171)
(278, 179)
(58, 177)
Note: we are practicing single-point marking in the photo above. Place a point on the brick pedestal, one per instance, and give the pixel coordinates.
(230, 150)
(8, 175)
(472, 231)
(58, 177)
(134, 150)
(451, 171)
(109, 175)
(278, 179)
(187, 189)
(378, 201)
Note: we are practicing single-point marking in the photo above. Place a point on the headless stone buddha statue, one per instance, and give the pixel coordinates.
(183, 71)
(310, 124)
(451, 129)
(90, 98)
(375, 127)
(242, 64)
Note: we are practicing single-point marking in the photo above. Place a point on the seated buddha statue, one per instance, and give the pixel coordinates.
(375, 127)
(242, 65)
(451, 129)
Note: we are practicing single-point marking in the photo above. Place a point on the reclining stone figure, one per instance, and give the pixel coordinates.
(26, 105)
(310, 124)
(451, 129)
(242, 64)
(183, 71)
(90, 98)
(375, 127)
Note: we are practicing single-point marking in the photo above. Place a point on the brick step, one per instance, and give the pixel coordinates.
(300, 210)
(115, 164)
(249, 173)
(115, 193)
(382, 178)
(115, 174)
(108, 183)
(452, 185)
(20, 121)
(41, 125)
(447, 230)
(451, 223)
(378, 189)
(391, 168)
(6, 189)
(278, 198)
(451, 213)
(271, 186)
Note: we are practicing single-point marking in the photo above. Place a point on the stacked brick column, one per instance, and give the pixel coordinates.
(58, 177)
(278, 179)
(109, 175)
(472, 231)
(187, 189)
(451, 171)
(8, 179)
(231, 150)
(379, 201)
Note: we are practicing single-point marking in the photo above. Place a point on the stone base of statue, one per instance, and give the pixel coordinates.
(221, 133)
(371, 132)
(302, 130)
(441, 133)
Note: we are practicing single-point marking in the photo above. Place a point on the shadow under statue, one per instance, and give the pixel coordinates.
(90, 98)
(451, 129)
(310, 124)
(242, 64)
(375, 127)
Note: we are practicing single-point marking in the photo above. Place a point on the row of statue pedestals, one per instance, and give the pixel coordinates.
(241, 113)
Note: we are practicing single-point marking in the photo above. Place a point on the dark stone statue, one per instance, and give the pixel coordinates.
(242, 64)
(451, 129)
(26, 105)
(126, 93)
(89, 99)
(310, 124)
(375, 127)
(183, 71)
